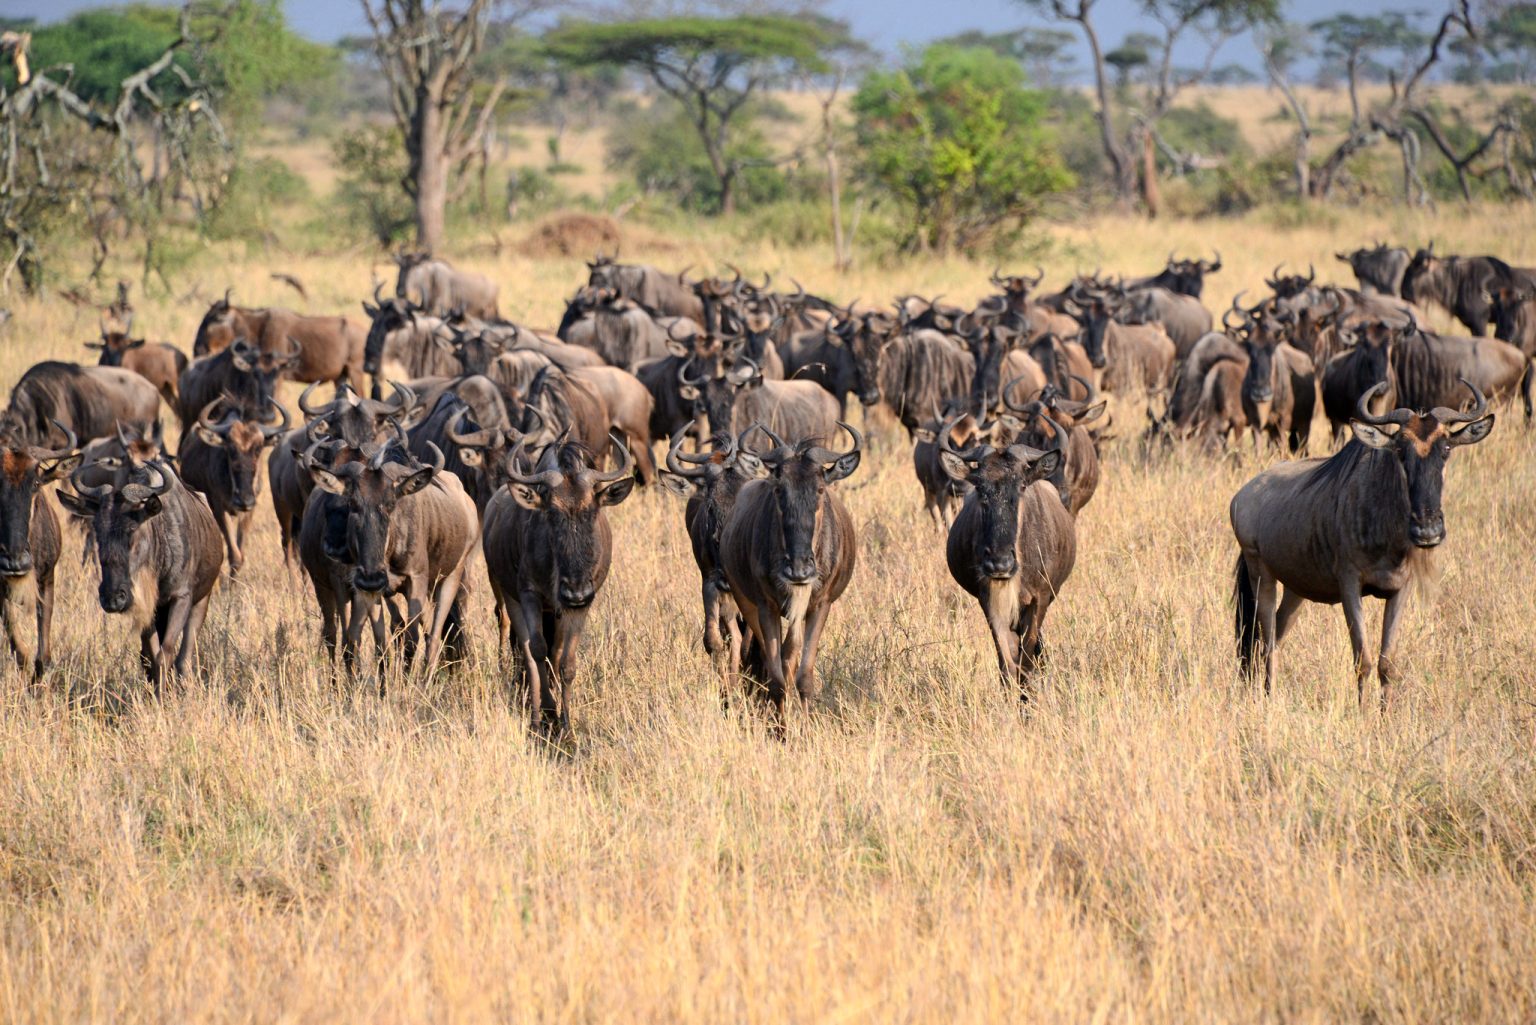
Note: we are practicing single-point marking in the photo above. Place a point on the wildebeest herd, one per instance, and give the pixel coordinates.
(516, 441)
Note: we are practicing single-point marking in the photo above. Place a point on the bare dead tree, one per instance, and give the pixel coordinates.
(427, 54)
(133, 164)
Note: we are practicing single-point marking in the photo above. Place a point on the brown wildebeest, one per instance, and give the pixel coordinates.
(1183, 318)
(89, 401)
(160, 364)
(629, 407)
(221, 458)
(788, 552)
(1182, 417)
(1129, 357)
(403, 333)
(408, 530)
(996, 359)
(711, 482)
(656, 290)
(1279, 386)
(1378, 269)
(1079, 469)
(327, 346)
(29, 542)
(438, 287)
(1338, 530)
(159, 552)
(924, 370)
(735, 397)
(548, 548)
(1012, 546)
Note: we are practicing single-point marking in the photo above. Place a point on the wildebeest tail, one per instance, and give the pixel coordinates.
(1246, 616)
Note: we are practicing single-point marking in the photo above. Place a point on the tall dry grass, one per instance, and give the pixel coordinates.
(1156, 842)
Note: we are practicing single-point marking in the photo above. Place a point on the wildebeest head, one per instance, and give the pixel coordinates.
(1290, 285)
(1187, 277)
(990, 342)
(354, 423)
(473, 350)
(242, 440)
(1508, 303)
(867, 337)
(800, 475)
(116, 508)
(998, 477)
(567, 493)
(723, 469)
(1373, 343)
(486, 449)
(262, 368)
(116, 339)
(1422, 443)
(371, 491)
(1097, 307)
(603, 271)
(407, 262)
(1379, 266)
(24, 468)
(219, 329)
(711, 379)
(1016, 287)
(1424, 278)
(385, 316)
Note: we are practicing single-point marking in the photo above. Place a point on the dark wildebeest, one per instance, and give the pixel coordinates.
(159, 552)
(921, 372)
(996, 359)
(788, 552)
(409, 531)
(666, 294)
(735, 397)
(711, 482)
(548, 548)
(1184, 318)
(942, 494)
(160, 364)
(1077, 478)
(1463, 285)
(1366, 362)
(326, 347)
(1182, 417)
(29, 543)
(1514, 321)
(222, 459)
(403, 333)
(244, 376)
(1128, 357)
(620, 330)
(90, 401)
(437, 287)
(1289, 286)
(1378, 269)
(1012, 546)
(1185, 277)
(476, 455)
(1430, 366)
(1341, 529)
(843, 357)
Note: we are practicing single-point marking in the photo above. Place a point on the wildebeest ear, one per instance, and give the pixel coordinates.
(208, 437)
(1092, 413)
(54, 469)
(688, 392)
(845, 465)
(325, 480)
(370, 309)
(73, 503)
(953, 466)
(526, 496)
(923, 434)
(415, 482)
(676, 347)
(747, 464)
(682, 487)
(135, 343)
(1374, 437)
(1043, 467)
(471, 457)
(1474, 432)
(613, 494)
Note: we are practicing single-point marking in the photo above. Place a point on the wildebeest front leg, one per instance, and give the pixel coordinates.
(12, 605)
(44, 626)
(528, 623)
(805, 676)
(1031, 644)
(188, 650)
(1386, 666)
(149, 656)
(1354, 615)
(173, 635)
(766, 625)
(567, 635)
(1266, 592)
(998, 605)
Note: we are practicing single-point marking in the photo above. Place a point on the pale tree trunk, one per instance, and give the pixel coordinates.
(431, 173)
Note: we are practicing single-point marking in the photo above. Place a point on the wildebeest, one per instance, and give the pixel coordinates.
(221, 458)
(1367, 361)
(1378, 269)
(439, 288)
(843, 357)
(1430, 366)
(996, 359)
(89, 401)
(788, 552)
(159, 552)
(29, 543)
(160, 364)
(242, 375)
(1279, 390)
(409, 529)
(1130, 356)
(656, 290)
(620, 330)
(1185, 277)
(710, 482)
(1079, 469)
(1338, 530)
(1182, 417)
(548, 548)
(1463, 285)
(1184, 318)
(1012, 546)
(921, 372)
(326, 347)
(942, 494)
(1514, 321)
(734, 397)
(401, 332)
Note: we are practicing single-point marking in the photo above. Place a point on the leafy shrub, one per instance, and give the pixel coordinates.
(370, 195)
(660, 149)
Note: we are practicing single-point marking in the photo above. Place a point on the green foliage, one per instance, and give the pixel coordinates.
(726, 44)
(660, 148)
(532, 191)
(258, 189)
(1199, 129)
(105, 46)
(255, 56)
(370, 192)
(958, 141)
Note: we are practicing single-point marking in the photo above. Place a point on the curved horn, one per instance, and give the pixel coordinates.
(626, 466)
(822, 455)
(71, 443)
(675, 462)
(778, 442)
(271, 430)
(1008, 388)
(549, 478)
(138, 494)
(479, 439)
(204, 418)
(997, 278)
(90, 494)
(1452, 416)
(1363, 409)
(313, 411)
(438, 459)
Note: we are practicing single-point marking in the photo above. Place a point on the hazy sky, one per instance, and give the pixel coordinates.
(888, 23)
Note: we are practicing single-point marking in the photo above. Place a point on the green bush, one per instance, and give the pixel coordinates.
(369, 193)
(1199, 129)
(660, 149)
(257, 189)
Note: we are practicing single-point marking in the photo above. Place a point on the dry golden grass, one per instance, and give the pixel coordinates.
(1155, 843)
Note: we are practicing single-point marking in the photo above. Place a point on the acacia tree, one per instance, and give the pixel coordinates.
(427, 54)
(1126, 120)
(713, 67)
(1281, 48)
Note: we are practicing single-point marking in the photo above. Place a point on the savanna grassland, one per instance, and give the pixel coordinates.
(1154, 842)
